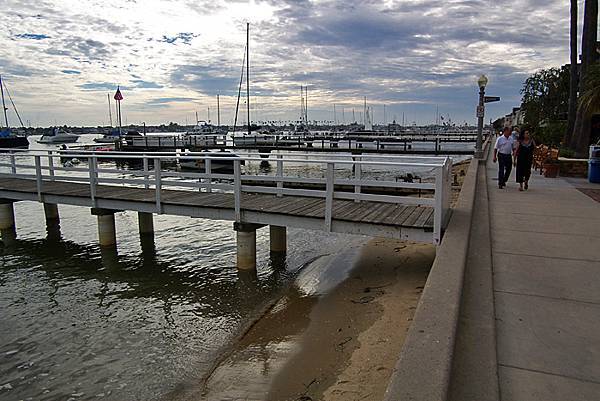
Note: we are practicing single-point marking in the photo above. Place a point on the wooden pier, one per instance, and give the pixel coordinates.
(342, 198)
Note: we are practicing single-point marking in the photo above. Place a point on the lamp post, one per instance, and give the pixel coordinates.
(481, 82)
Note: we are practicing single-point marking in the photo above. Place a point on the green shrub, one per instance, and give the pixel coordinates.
(551, 134)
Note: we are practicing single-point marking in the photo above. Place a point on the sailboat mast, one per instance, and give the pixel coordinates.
(218, 112)
(248, 72)
(109, 110)
(3, 104)
(306, 104)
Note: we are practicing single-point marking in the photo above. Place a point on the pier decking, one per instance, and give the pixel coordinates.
(354, 195)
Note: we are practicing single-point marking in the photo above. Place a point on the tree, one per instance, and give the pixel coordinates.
(580, 139)
(574, 78)
(545, 96)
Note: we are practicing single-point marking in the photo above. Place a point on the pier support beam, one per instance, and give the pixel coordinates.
(145, 223)
(7, 215)
(278, 239)
(51, 212)
(107, 235)
(246, 245)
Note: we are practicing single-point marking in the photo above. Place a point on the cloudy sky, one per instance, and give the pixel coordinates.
(60, 58)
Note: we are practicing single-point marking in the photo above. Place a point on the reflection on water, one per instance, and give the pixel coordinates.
(132, 323)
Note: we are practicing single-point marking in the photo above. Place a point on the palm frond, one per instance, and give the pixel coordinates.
(589, 101)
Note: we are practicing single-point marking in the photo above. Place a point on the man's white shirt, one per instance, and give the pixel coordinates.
(504, 145)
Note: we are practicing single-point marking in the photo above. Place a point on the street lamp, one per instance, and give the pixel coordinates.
(481, 82)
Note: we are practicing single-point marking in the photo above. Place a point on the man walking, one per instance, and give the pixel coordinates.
(503, 153)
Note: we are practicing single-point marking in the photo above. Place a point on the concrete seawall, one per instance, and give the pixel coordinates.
(433, 364)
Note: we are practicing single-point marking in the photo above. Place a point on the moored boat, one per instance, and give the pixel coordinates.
(220, 162)
(58, 136)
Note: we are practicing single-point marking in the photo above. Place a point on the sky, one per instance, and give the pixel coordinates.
(61, 58)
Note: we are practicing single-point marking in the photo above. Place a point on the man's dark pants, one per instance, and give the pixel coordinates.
(504, 167)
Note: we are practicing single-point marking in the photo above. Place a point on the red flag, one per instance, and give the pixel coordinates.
(118, 95)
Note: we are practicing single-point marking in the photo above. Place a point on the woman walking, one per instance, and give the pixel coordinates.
(524, 159)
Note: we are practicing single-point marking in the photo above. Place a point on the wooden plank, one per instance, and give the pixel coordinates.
(429, 222)
(376, 209)
(410, 220)
(401, 215)
(423, 218)
(383, 216)
(349, 214)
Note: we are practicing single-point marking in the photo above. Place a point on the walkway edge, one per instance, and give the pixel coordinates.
(423, 370)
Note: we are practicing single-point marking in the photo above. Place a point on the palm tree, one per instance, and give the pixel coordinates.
(574, 81)
(580, 139)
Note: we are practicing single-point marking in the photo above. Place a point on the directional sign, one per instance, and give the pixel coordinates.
(480, 111)
(490, 99)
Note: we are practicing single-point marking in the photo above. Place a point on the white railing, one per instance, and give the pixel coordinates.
(327, 176)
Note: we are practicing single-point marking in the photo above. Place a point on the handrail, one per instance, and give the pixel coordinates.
(355, 185)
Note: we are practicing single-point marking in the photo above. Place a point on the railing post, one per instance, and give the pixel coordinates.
(237, 190)
(329, 186)
(208, 170)
(157, 184)
(51, 164)
(438, 205)
(38, 176)
(146, 172)
(357, 176)
(93, 178)
(13, 162)
(280, 175)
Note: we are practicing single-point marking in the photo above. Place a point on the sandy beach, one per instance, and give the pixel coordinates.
(335, 335)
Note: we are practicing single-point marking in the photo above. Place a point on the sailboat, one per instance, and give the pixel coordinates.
(114, 135)
(7, 138)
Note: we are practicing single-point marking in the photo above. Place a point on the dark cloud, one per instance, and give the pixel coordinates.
(209, 80)
(32, 36)
(182, 37)
(138, 83)
(100, 86)
(71, 72)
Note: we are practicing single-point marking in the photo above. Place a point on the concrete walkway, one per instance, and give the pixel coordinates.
(546, 281)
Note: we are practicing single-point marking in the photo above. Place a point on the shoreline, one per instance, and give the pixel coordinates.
(335, 335)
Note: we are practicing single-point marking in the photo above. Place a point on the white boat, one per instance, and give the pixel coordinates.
(205, 128)
(221, 162)
(58, 136)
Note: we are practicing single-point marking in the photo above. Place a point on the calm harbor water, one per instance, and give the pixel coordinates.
(80, 323)
(77, 323)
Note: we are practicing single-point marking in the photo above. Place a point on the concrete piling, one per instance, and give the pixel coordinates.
(278, 239)
(145, 223)
(107, 235)
(246, 250)
(246, 245)
(7, 222)
(51, 211)
(7, 215)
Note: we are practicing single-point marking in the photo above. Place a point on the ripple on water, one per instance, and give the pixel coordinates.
(80, 323)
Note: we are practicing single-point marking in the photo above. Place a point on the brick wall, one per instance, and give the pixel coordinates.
(573, 167)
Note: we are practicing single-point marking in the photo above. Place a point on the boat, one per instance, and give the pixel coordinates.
(7, 138)
(58, 136)
(204, 128)
(113, 136)
(221, 162)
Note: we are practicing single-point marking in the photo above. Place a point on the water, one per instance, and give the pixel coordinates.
(80, 323)
(77, 323)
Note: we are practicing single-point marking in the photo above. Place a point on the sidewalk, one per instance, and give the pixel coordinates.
(546, 265)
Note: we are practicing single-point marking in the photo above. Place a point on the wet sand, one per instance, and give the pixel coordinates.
(335, 335)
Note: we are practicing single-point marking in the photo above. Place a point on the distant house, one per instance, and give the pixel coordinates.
(515, 118)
